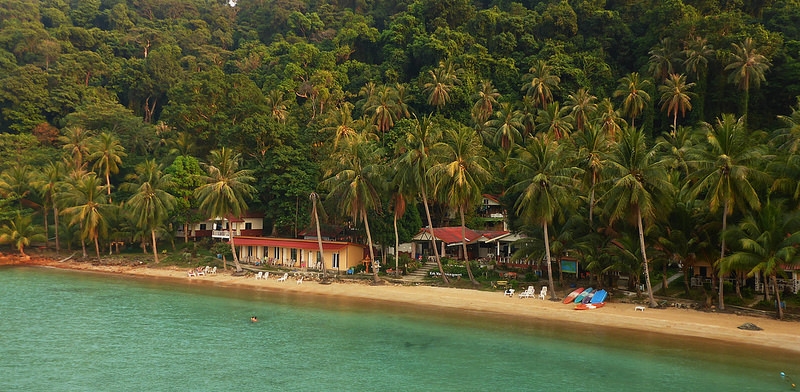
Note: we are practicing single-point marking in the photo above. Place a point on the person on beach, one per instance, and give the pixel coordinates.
(254, 319)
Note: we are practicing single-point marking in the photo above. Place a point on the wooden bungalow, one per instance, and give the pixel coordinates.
(300, 253)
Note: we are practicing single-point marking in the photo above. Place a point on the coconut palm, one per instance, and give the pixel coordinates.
(87, 206)
(485, 98)
(582, 106)
(726, 172)
(150, 204)
(540, 83)
(633, 89)
(382, 106)
(106, 152)
(592, 147)
(47, 182)
(278, 105)
(506, 125)
(555, 120)
(413, 161)
(403, 98)
(20, 232)
(75, 141)
(15, 183)
(341, 122)
(697, 54)
(661, 59)
(546, 181)
(787, 138)
(314, 199)
(608, 119)
(443, 80)
(354, 181)
(638, 188)
(459, 176)
(675, 97)
(747, 68)
(768, 244)
(225, 190)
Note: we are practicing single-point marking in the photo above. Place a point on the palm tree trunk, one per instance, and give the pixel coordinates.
(319, 235)
(371, 251)
(591, 202)
(433, 237)
(233, 248)
(464, 245)
(396, 250)
(777, 297)
(55, 222)
(547, 258)
(155, 249)
(721, 296)
(653, 303)
(186, 232)
(46, 228)
(97, 247)
(675, 123)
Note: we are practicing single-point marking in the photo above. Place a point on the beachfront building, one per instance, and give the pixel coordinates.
(250, 224)
(300, 253)
(481, 244)
(492, 213)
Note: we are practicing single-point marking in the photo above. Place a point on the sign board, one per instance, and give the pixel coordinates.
(569, 266)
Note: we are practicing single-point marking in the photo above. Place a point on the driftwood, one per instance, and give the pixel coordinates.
(750, 327)
(70, 256)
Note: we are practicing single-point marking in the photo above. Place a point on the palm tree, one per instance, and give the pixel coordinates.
(19, 232)
(107, 153)
(767, 245)
(15, 183)
(747, 68)
(314, 198)
(150, 204)
(675, 97)
(608, 119)
(555, 120)
(278, 105)
(787, 138)
(443, 80)
(540, 83)
(48, 182)
(506, 125)
(414, 160)
(634, 91)
(639, 188)
(592, 147)
(661, 58)
(485, 98)
(382, 106)
(87, 207)
(459, 176)
(354, 181)
(697, 53)
(76, 143)
(582, 106)
(726, 171)
(342, 123)
(403, 98)
(545, 186)
(225, 190)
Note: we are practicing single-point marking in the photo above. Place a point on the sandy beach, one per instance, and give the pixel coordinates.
(781, 335)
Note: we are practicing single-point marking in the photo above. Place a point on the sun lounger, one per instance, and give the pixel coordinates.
(284, 277)
(191, 273)
(509, 292)
(530, 292)
(213, 271)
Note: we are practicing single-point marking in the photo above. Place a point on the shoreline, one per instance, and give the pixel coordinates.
(682, 323)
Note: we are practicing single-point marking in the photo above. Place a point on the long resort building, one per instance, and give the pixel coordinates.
(299, 253)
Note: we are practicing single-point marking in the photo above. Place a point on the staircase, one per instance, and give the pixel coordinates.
(420, 274)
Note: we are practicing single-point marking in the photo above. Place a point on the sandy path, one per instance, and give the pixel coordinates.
(679, 322)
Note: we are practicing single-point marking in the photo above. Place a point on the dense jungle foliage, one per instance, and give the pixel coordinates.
(694, 100)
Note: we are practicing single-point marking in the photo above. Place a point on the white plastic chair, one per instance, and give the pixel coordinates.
(259, 275)
(284, 277)
(543, 293)
(300, 281)
(213, 271)
(530, 292)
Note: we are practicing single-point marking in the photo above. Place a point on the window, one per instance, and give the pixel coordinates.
(276, 253)
(202, 226)
(335, 261)
(248, 225)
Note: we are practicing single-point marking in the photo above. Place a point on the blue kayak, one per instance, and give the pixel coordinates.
(599, 296)
(583, 295)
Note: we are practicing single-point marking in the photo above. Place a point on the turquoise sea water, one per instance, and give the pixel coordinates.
(69, 331)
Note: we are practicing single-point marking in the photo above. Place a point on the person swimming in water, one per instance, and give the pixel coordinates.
(254, 319)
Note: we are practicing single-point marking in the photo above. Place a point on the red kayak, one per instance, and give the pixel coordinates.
(589, 306)
(571, 296)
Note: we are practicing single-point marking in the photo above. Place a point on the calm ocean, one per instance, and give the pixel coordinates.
(70, 331)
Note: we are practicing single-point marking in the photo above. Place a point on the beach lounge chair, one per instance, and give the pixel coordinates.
(509, 292)
(284, 277)
(207, 270)
(259, 275)
(192, 274)
(528, 293)
(543, 293)
(213, 271)
(200, 271)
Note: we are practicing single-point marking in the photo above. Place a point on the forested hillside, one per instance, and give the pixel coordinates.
(289, 85)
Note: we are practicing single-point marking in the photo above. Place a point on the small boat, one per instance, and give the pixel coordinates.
(583, 295)
(571, 296)
(598, 297)
(589, 306)
(588, 298)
